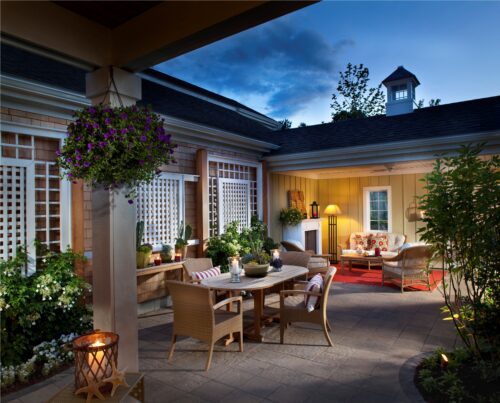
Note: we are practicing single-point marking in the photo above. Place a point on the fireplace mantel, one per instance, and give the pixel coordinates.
(298, 232)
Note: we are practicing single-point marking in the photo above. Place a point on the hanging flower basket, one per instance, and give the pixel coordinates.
(115, 147)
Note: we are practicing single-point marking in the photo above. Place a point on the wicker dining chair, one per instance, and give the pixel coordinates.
(297, 312)
(408, 267)
(192, 265)
(196, 316)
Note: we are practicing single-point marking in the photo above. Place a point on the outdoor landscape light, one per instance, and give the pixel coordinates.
(332, 211)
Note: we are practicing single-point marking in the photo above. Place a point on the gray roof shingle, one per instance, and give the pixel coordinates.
(467, 117)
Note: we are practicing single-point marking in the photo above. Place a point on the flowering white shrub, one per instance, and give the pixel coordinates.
(48, 355)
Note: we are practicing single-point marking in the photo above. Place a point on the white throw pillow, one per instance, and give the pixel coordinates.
(315, 284)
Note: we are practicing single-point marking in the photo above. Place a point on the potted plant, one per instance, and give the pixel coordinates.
(290, 216)
(183, 235)
(166, 253)
(115, 147)
(143, 251)
(256, 262)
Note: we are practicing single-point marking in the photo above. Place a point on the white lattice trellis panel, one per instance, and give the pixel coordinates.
(160, 205)
(234, 202)
(17, 206)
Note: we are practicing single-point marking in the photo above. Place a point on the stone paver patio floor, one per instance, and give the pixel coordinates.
(375, 330)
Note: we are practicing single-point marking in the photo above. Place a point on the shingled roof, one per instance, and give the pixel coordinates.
(400, 74)
(166, 100)
(467, 117)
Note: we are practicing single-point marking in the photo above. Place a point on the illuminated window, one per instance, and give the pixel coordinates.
(377, 208)
(400, 92)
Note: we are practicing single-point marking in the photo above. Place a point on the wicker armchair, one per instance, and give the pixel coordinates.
(298, 313)
(192, 265)
(196, 316)
(317, 263)
(408, 267)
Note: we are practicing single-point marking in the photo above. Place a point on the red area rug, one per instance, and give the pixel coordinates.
(361, 275)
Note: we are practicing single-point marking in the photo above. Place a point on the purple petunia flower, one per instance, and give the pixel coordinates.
(107, 121)
(102, 144)
(148, 120)
(69, 160)
(112, 131)
(143, 137)
(70, 175)
(86, 164)
(78, 157)
(95, 126)
(89, 146)
(123, 131)
(91, 110)
(107, 135)
(78, 138)
(58, 153)
(123, 115)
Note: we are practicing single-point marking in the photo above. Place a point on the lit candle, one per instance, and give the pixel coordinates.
(98, 361)
(276, 254)
(234, 266)
(177, 257)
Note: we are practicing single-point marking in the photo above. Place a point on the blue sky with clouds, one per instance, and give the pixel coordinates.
(288, 67)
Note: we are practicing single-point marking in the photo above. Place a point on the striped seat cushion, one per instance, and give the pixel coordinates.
(315, 284)
(200, 275)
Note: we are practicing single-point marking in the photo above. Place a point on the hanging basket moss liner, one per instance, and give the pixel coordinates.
(115, 147)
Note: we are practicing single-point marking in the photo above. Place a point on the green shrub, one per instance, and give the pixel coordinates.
(291, 216)
(41, 307)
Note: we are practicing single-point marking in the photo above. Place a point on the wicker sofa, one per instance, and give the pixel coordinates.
(360, 240)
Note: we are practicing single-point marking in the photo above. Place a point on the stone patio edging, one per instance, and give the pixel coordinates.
(407, 376)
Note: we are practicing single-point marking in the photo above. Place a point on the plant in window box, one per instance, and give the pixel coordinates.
(290, 216)
(143, 251)
(166, 253)
(115, 147)
(183, 235)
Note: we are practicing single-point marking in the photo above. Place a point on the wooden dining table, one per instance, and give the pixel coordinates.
(257, 286)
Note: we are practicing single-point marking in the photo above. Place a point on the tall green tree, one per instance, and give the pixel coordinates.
(353, 98)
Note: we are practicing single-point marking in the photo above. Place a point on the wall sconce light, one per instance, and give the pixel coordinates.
(413, 213)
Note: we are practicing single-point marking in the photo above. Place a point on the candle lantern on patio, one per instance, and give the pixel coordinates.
(96, 355)
(275, 260)
(314, 210)
(235, 267)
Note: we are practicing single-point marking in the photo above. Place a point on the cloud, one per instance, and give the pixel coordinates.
(286, 66)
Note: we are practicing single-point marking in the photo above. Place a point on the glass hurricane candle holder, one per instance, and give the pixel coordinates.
(276, 262)
(95, 356)
(235, 267)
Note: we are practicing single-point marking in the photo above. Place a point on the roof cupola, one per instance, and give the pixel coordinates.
(400, 86)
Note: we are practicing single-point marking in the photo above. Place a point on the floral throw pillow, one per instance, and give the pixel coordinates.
(361, 242)
(379, 241)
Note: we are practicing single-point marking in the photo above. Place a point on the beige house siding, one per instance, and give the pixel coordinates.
(279, 185)
(348, 194)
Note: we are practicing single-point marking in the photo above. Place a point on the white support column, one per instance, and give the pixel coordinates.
(113, 236)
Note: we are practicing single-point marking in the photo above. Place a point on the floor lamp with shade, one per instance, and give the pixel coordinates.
(332, 211)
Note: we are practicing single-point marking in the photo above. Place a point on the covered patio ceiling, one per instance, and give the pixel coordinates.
(390, 168)
(132, 35)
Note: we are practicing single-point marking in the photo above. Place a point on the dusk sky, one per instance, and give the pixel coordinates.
(288, 67)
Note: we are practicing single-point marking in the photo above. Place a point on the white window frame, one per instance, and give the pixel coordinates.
(65, 222)
(400, 89)
(366, 207)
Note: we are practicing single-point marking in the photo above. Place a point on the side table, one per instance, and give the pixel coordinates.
(122, 394)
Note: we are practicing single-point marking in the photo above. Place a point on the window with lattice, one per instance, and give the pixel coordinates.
(160, 204)
(221, 169)
(44, 193)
